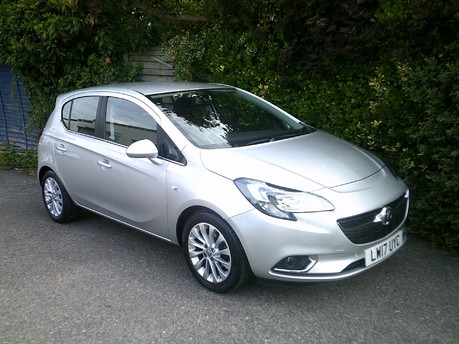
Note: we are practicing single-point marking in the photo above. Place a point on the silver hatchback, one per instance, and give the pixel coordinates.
(244, 187)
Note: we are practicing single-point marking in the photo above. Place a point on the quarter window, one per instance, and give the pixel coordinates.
(127, 122)
(79, 115)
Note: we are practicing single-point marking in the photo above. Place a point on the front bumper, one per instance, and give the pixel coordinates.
(267, 241)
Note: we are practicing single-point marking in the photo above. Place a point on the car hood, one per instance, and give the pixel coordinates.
(307, 162)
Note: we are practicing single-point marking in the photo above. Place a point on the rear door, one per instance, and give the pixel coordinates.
(74, 149)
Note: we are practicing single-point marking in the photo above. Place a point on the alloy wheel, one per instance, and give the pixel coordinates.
(53, 197)
(209, 253)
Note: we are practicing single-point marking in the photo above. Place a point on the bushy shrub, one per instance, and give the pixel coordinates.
(404, 107)
(11, 157)
(431, 88)
(384, 75)
(55, 46)
(409, 113)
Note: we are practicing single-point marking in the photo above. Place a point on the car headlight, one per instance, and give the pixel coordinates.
(281, 202)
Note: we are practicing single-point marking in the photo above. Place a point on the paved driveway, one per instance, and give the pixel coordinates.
(95, 281)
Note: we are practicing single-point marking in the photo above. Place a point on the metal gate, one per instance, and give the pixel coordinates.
(14, 110)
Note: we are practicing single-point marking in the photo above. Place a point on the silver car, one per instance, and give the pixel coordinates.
(245, 188)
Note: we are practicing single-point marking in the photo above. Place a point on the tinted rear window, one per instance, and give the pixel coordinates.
(80, 114)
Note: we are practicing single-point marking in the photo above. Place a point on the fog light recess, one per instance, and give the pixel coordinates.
(295, 264)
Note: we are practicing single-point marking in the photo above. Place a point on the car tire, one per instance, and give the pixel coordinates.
(57, 201)
(214, 253)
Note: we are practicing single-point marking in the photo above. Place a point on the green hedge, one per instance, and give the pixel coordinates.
(56, 46)
(409, 113)
(406, 109)
(383, 74)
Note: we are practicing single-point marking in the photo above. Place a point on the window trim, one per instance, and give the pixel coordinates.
(101, 114)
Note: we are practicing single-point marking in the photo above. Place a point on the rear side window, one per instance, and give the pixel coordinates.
(80, 114)
(127, 122)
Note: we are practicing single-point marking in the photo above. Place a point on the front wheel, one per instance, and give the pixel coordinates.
(214, 253)
(56, 199)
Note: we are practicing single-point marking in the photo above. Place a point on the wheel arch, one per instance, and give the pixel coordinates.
(240, 271)
(42, 172)
(186, 214)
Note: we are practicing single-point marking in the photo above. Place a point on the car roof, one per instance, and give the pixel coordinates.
(159, 87)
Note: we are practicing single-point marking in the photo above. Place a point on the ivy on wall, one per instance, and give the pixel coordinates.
(59, 45)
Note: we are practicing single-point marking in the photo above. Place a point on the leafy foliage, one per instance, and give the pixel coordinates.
(383, 74)
(58, 45)
(13, 158)
(432, 92)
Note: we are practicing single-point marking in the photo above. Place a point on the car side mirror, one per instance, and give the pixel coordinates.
(142, 149)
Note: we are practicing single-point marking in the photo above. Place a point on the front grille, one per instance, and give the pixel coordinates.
(362, 228)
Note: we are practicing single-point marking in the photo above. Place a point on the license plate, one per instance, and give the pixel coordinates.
(384, 249)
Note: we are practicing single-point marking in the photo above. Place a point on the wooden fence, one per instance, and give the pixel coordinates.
(14, 112)
(156, 65)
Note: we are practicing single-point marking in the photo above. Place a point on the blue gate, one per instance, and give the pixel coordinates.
(14, 112)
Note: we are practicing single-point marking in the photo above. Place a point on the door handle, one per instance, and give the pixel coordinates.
(61, 148)
(104, 163)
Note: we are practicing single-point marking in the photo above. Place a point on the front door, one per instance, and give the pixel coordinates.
(131, 190)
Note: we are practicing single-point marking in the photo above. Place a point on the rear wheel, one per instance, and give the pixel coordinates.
(214, 253)
(56, 199)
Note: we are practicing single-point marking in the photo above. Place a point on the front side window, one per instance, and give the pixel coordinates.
(127, 122)
(221, 118)
(80, 114)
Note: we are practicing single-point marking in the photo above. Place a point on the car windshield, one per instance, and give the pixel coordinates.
(221, 118)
